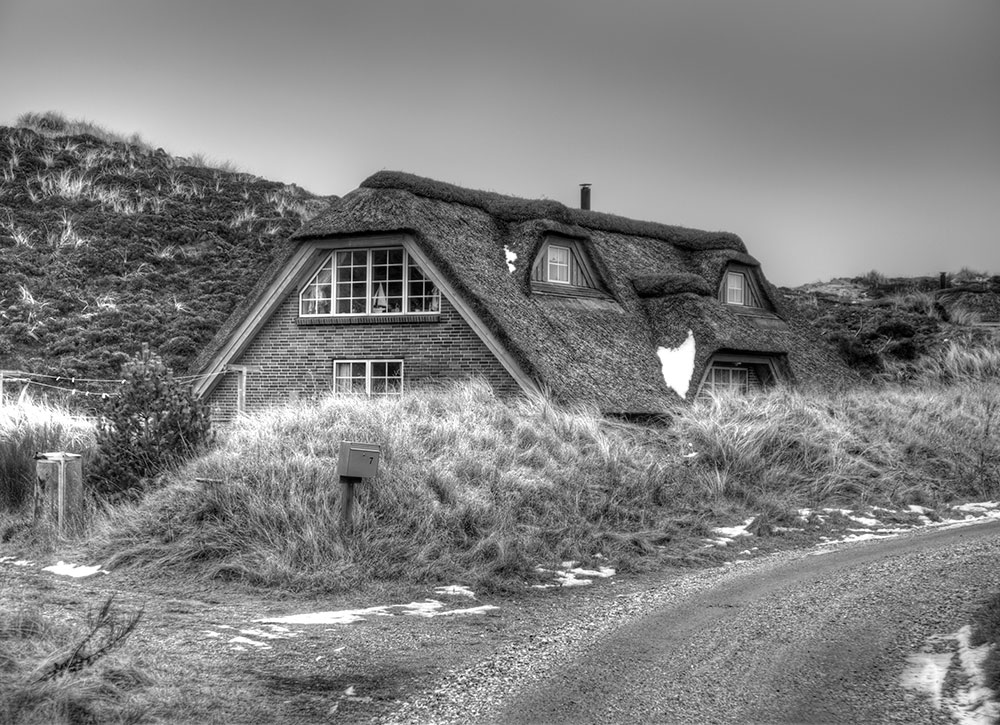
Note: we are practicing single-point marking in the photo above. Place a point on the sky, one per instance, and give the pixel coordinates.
(835, 137)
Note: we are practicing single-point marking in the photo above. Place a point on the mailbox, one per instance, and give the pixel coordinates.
(359, 460)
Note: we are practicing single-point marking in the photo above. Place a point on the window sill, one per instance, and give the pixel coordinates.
(558, 290)
(368, 320)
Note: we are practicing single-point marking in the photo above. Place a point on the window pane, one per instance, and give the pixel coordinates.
(735, 288)
(315, 296)
(423, 295)
(349, 378)
(352, 286)
(558, 263)
(387, 281)
(387, 377)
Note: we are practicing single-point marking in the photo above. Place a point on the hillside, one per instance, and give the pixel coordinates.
(106, 245)
(883, 326)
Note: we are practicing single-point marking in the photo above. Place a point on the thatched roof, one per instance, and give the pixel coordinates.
(662, 281)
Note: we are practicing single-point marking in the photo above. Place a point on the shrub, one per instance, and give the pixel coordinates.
(155, 423)
(857, 355)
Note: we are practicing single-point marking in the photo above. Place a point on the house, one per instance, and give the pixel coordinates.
(406, 281)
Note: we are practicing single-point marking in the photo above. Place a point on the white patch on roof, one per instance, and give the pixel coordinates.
(678, 365)
(511, 258)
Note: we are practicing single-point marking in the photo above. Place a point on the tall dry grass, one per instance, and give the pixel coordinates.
(469, 488)
(480, 490)
(876, 446)
(961, 364)
(28, 428)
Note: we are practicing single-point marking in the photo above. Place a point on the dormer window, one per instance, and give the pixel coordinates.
(736, 285)
(740, 288)
(557, 259)
(563, 267)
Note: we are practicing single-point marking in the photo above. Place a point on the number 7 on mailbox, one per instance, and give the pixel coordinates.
(358, 460)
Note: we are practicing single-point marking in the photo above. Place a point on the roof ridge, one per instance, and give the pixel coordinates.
(518, 210)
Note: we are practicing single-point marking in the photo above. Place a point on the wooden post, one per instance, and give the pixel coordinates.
(241, 384)
(347, 515)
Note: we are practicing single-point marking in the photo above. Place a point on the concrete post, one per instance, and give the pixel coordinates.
(59, 490)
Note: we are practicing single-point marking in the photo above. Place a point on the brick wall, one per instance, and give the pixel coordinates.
(296, 357)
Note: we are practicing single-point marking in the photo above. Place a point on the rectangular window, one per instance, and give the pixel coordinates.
(558, 264)
(352, 282)
(422, 294)
(368, 377)
(728, 380)
(735, 288)
(369, 282)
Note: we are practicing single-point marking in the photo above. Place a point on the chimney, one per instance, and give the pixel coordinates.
(585, 196)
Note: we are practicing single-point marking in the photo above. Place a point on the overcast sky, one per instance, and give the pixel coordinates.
(834, 136)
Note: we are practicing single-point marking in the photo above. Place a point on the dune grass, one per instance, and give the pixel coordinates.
(469, 488)
(479, 490)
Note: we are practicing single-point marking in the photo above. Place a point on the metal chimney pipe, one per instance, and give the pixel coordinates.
(585, 196)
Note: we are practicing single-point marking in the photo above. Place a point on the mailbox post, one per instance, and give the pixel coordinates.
(357, 461)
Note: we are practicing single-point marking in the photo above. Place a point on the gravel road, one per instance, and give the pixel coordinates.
(819, 636)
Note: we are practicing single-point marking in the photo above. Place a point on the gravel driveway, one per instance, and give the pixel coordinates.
(819, 636)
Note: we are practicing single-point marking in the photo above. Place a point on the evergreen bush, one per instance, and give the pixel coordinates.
(155, 423)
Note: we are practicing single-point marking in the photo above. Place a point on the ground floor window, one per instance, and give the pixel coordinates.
(741, 373)
(368, 377)
(722, 379)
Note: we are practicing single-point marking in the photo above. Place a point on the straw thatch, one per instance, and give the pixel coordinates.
(661, 281)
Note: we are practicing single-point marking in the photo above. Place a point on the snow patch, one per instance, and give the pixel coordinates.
(971, 702)
(77, 571)
(572, 575)
(427, 608)
(246, 640)
(724, 535)
(677, 365)
(455, 590)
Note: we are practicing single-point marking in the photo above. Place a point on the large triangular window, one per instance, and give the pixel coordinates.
(384, 281)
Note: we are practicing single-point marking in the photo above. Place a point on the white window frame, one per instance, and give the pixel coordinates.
(741, 387)
(431, 295)
(736, 294)
(369, 364)
(561, 267)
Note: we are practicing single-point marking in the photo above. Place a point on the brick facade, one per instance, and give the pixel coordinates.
(296, 355)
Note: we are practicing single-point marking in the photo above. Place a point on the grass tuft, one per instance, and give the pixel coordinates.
(58, 671)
